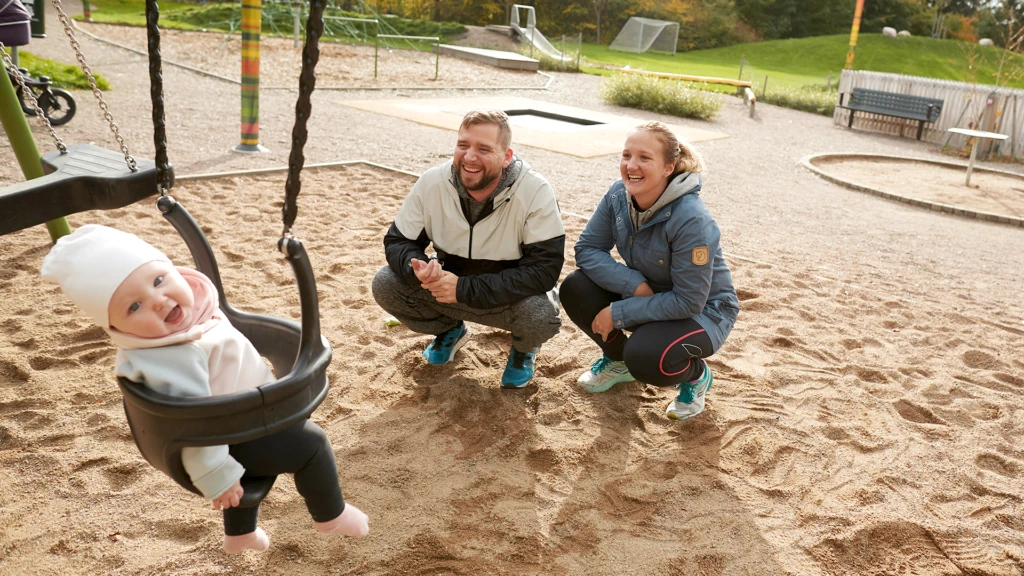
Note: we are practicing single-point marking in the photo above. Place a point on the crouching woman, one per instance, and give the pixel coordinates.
(672, 291)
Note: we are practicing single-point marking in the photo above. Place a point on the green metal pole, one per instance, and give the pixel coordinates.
(18, 132)
(437, 59)
(376, 43)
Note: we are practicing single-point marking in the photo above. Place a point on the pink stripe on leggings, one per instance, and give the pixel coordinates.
(661, 362)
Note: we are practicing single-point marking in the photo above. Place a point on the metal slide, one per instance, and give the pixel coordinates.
(531, 34)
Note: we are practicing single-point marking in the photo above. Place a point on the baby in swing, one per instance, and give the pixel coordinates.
(172, 337)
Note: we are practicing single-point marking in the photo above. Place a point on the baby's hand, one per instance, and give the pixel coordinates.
(230, 497)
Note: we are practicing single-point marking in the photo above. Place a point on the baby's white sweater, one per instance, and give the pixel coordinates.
(221, 361)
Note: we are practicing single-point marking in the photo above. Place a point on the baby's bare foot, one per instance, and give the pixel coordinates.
(256, 540)
(351, 522)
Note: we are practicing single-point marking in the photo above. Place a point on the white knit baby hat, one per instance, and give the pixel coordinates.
(92, 262)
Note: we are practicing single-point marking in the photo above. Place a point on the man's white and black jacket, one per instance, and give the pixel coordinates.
(514, 250)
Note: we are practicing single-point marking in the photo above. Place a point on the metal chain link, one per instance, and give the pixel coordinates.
(25, 91)
(66, 22)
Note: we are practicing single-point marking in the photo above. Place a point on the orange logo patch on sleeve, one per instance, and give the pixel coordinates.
(700, 255)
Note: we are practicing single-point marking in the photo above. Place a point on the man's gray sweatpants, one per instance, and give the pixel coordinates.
(532, 321)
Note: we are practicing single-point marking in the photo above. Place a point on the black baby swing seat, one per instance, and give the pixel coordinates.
(162, 425)
(87, 177)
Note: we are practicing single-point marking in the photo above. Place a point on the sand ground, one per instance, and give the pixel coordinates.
(865, 417)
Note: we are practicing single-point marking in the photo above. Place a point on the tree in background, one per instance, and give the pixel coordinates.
(912, 15)
(997, 22)
(711, 23)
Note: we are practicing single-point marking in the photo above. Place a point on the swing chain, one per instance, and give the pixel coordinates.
(16, 74)
(63, 17)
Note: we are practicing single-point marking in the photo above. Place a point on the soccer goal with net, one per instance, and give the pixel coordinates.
(642, 34)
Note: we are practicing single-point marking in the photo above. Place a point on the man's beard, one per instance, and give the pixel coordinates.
(486, 178)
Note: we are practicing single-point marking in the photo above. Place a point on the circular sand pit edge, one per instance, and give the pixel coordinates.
(808, 162)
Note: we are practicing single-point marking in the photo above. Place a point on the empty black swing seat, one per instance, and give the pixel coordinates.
(162, 425)
(86, 178)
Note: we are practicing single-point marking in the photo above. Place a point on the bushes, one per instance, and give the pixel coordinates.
(814, 99)
(553, 64)
(659, 95)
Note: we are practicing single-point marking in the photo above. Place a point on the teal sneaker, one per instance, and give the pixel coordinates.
(603, 374)
(446, 344)
(519, 369)
(690, 400)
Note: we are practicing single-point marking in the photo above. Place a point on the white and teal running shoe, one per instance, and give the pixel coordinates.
(603, 374)
(446, 344)
(690, 400)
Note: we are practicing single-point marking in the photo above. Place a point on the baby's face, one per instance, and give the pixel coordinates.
(152, 302)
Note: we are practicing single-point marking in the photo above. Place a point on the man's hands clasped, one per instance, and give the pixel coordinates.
(432, 277)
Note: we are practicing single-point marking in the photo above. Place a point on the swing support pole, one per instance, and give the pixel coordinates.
(18, 132)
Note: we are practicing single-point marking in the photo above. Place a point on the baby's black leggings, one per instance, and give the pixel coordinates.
(302, 450)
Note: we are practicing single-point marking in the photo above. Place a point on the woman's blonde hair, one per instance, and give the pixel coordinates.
(678, 152)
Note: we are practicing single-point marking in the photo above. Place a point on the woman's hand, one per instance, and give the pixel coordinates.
(602, 323)
(643, 289)
(230, 497)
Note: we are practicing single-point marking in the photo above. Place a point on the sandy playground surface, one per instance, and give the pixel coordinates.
(865, 418)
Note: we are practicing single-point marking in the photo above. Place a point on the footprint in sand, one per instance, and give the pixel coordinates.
(541, 459)
(998, 464)
(121, 476)
(183, 531)
(12, 373)
(9, 439)
(986, 411)
(1009, 379)
(894, 547)
(982, 360)
(914, 413)
(47, 362)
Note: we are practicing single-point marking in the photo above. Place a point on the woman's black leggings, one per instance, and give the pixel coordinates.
(659, 353)
(302, 450)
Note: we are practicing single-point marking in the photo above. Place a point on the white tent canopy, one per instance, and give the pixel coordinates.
(643, 34)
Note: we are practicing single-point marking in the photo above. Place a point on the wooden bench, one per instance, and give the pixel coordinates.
(892, 104)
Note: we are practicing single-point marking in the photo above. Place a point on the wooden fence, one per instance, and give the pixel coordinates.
(977, 106)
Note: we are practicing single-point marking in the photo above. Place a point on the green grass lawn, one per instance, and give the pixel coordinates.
(133, 12)
(63, 75)
(807, 61)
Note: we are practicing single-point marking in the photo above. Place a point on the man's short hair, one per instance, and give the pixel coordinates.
(496, 117)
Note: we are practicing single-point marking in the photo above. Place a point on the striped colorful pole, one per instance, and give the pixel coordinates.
(86, 11)
(251, 23)
(853, 34)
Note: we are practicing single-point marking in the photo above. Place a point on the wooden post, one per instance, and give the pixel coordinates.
(740, 77)
(579, 52)
(1013, 130)
(764, 89)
